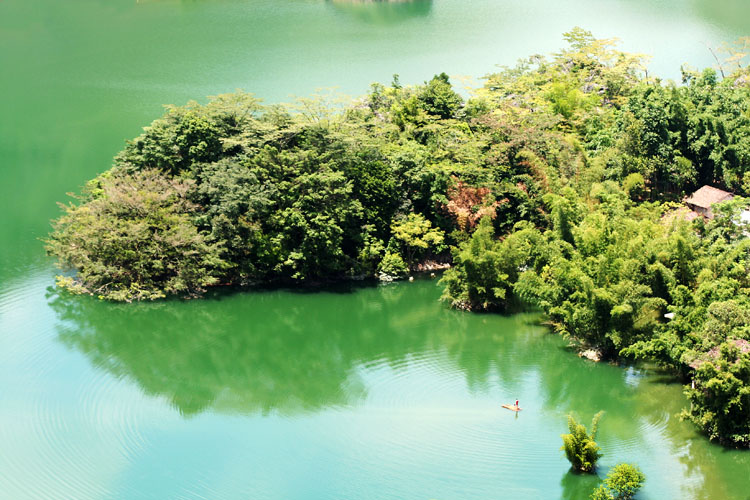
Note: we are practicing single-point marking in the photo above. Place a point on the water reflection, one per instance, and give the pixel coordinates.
(302, 351)
(284, 351)
(208, 354)
(383, 12)
(295, 353)
(576, 486)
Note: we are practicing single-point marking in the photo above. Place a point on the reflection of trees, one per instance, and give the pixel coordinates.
(711, 471)
(297, 352)
(578, 485)
(216, 353)
(290, 352)
(721, 472)
(634, 415)
(267, 351)
(383, 11)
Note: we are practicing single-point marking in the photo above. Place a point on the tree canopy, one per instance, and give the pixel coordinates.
(554, 186)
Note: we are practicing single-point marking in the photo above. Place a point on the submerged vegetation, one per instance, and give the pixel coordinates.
(554, 186)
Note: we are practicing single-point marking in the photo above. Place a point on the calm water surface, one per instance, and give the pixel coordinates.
(370, 392)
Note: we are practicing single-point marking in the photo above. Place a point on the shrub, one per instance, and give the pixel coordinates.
(393, 265)
(438, 97)
(416, 236)
(134, 239)
(721, 396)
(622, 482)
(579, 446)
(478, 281)
(634, 185)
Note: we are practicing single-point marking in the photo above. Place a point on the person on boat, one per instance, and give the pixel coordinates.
(515, 407)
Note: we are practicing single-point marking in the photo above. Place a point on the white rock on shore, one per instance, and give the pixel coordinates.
(591, 354)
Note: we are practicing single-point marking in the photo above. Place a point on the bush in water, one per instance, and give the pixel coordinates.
(580, 447)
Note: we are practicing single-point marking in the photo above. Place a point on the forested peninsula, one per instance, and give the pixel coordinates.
(558, 185)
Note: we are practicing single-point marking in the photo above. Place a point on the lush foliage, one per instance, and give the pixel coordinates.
(580, 447)
(720, 402)
(622, 483)
(304, 194)
(610, 254)
(134, 238)
(556, 185)
(312, 191)
(415, 235)
(486, 268)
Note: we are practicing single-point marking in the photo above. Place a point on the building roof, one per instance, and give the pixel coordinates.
(707, 196)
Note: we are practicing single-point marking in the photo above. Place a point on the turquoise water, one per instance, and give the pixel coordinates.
(350, 392)
(368, 392)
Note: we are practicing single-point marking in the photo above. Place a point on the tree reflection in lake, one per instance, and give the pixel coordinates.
(264, 351)
(285, 351)
(575, 486)
(300, 352)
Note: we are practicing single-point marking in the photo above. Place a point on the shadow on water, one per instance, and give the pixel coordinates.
(383, 12)
(336, 287)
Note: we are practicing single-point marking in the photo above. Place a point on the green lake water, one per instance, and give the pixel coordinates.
(343, 393)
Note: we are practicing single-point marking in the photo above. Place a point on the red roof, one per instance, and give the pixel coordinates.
(707, 196)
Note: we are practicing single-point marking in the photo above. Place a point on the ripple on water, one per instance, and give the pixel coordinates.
(652, 429)
(24, 336)
(113, 413)
(60, 427)
(417, 420)
(67, 458)
(71, 438)
(199, 489)
(409, 381)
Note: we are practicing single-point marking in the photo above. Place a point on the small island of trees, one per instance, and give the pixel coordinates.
(555, 186)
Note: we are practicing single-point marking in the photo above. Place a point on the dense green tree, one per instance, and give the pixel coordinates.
(485, 268)
(415, 235)
(438, 97)
(580, 446)
(393, 265)
(621, 483)
(134, 240)
(237, 203)
(720, 397)
(573, 162)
